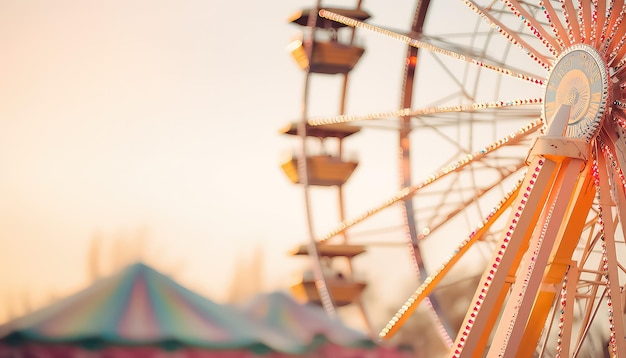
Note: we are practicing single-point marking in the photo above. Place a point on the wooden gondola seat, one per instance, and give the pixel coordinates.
(328, 57)
(344, 291)
(323, 170)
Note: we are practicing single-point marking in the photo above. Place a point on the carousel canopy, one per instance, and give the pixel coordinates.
(140, 307)
(305, 325)
(137, 307)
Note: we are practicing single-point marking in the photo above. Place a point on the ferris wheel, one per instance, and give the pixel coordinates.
(520, 105)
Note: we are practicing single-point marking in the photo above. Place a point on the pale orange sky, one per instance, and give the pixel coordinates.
(159, 116)
(163, 116)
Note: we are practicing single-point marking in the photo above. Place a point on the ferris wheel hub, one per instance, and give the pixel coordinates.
(579, 79)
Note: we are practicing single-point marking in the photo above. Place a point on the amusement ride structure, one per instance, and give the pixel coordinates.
(524, 104)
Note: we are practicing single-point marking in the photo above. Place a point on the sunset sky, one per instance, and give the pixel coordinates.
(160, 119)
(124, 116)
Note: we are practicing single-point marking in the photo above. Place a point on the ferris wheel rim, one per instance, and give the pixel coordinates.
(573, 36)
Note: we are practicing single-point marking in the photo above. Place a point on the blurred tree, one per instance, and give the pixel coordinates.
(94, 270)
(109, 253)
(248, 276)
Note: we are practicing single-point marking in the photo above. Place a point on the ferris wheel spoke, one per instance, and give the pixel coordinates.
(591, 313)
(611, 38)
(454, 78)
(612, 142)
(456, 166)
(464, 50)
(607, 24)
(592, 239)
(587, 28)
(615, 157)
(601, 20)
(426, 288)
(436, 129)
(439, 216)
(616, 56)
(609, 258)
(557, 27)
(568, 290)
(509, 34)
(426, 46)
(589, 287)
(535, 27)
(598, 20)
(426, 111)
(571, 21)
